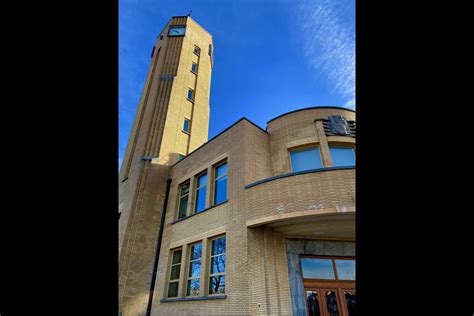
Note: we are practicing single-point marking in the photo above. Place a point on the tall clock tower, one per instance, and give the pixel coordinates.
(172, 120)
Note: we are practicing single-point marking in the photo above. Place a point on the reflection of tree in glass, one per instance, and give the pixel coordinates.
(217, 284)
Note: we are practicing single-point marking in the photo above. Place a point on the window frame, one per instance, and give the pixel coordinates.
(196, 191)
(333, 260)
(189, 261)
(180, 196)
(188, 125)
(197, 50)
(197, 68)
(215, 179)
(192, 94)
(302, 148)
(344, 146)
(172, 251)
(209, 269)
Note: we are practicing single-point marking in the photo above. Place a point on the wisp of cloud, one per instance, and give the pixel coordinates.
(329, 43)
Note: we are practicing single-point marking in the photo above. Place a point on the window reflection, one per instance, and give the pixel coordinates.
(331, 303)
(351, 302)
(345, 269)
(312, 301)
(342, 156)
(305, 159)
(317, 268)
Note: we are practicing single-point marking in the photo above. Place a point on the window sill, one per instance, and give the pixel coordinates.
(187, 133)
(197, 298)
(192, 101)
(182, 219)
(194, 72)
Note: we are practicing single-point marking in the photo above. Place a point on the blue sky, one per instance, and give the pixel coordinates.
(270, 57)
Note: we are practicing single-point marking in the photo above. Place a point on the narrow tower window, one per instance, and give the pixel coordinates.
(194, 68)
(197, 50)
(186, 125)
(190, 94)
(220, 183)
(217, 275)
(194, 274)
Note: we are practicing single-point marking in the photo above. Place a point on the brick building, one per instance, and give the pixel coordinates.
(252, 222)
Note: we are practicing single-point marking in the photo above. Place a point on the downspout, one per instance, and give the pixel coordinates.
(158, 246)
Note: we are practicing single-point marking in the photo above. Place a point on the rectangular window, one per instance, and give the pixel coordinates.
(328, 269)
(197, 50)
(190, 94)
(194, 68)
(200, 193)
(220, 183)
(183, 200)
(186, 125)
(217, 273)
(306, 159)
(194, 274)
(180, 157)
(174, 275)
(342, 156)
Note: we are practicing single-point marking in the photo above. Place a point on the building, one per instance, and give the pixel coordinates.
(251, 222)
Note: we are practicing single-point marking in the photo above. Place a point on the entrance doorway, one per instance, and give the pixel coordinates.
(329, 284)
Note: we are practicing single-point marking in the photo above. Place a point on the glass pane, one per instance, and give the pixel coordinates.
(331, 303)
(175, 272)
(193, 287)
(221, 170)
(183, 206)
(221, 190)
(190, 94)
(306, 159)
(177, 256)
(218, 264)
(202, 180)
(217, 284)
(173, 289)
(351, 302)
(184, 187)
(196, 251)
(313, 303)
(317, 268)
(195, 268)
(218, 246)
(345, 269)
(200, 200)
(342, 157)
(186, 126)
(194, 67)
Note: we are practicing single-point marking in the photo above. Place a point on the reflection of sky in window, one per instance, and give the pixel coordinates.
(221, 190)
(218, 246)
(201, 200)
(217, 284)
(196, 252)
(342, 156)
(317, 268)
(195, 269)
(345, 269)
(306, 159)
(221, 170)
(218, 264)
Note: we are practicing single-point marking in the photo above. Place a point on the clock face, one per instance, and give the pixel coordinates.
(177, 30)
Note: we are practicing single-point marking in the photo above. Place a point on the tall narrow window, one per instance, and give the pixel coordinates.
(194, 274)
(200, 193)
(217, 274)
(305, 159)
(186, 125)
(197, 50)
(194, 68)
(190, 94)
(342, 156)
(174, 275)
(183, 200)
(220, 183)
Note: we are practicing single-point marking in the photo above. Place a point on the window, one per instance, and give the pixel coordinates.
(194, 274)
(186, 125)
(180, 157)
(194, 68)
(342, 156)
(183, 200)
(200, 193)
(174, 275)
(190, 94)
(220, 183)
(217, 274)
(328, 269)
(197, 50)
(306, 159)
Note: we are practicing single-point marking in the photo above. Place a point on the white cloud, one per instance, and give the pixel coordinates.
(328, 35)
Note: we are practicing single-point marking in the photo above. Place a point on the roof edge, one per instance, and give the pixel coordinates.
(312, 108)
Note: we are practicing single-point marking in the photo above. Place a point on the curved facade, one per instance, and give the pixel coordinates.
(276, 210)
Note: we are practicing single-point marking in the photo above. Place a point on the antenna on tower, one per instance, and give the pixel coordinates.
(189, 14)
